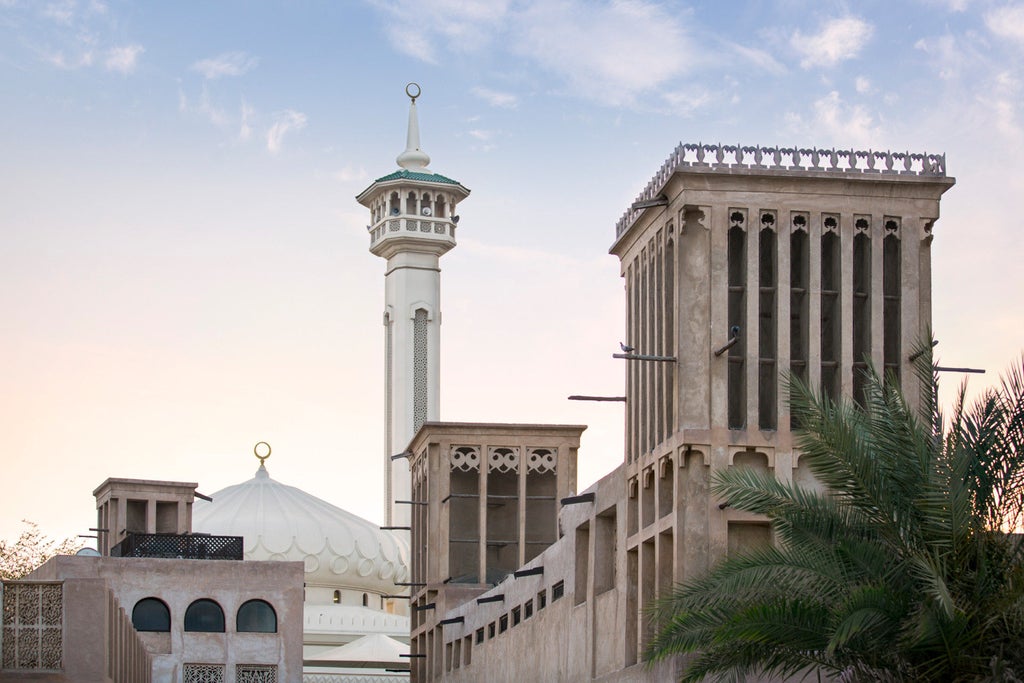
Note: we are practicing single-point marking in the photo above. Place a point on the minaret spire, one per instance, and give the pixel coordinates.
(413, 220)
(413, 158)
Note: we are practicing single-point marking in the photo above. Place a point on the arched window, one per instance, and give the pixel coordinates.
(366, 600)
(337, 597)
(256, 616)
(204, 616)
(151, 614)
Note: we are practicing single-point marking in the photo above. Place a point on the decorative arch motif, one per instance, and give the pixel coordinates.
(541, 460)
(465, 458)
(502, 459)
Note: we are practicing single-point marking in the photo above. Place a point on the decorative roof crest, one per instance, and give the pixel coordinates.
(720, 157)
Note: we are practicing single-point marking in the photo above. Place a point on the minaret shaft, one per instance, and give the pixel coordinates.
(412, 322)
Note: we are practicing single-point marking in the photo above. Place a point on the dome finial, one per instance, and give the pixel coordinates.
(413, 158)
(256, 452)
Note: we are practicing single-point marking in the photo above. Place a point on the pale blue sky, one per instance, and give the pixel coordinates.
(185, 271)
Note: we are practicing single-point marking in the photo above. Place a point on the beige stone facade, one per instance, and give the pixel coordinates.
(94, 626)
(742, 266)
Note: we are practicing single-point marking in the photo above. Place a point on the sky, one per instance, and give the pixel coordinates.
(184, 270)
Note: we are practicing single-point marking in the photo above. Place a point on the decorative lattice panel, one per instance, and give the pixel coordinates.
(465, 458)
(256, 673)
(501, 459)
(202, 673)
(541, 460)
(186, 546)
(33, 626)
(419, 369)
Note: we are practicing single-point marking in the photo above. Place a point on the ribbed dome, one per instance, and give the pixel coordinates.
(280, 522)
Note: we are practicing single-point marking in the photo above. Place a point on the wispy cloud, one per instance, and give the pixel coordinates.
(496, 98)
(59, 60)
(123, 59)
(837, 122)
(245, 126)
(61, 12)
(1007, 22)
(350, 174)
(286, 121)
(950, 56)
(226, 64)
(206, 107)
(836, 41)
(686, 102)
(416, 26)
(608, 52)
(862, 84)
(759, 58)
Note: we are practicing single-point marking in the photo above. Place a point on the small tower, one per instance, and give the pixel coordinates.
(412, 224)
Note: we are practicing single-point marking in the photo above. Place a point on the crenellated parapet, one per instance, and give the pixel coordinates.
(728, 158)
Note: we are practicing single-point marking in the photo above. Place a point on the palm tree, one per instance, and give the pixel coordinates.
(907, 568)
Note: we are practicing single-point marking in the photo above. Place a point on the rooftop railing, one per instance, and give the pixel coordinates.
(729, 157)
(179, 546)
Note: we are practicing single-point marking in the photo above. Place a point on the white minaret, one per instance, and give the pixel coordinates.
(412, 224)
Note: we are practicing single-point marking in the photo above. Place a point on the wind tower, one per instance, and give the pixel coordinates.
(412, 224)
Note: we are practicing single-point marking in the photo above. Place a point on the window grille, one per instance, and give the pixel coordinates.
(256, 673)
(202, 673)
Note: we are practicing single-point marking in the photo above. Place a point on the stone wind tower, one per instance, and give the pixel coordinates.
(412, 224)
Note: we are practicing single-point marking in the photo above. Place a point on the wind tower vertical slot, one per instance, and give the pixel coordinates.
(861, 306)
(831, 323)
(767, 383)
(891, 274)
(737, 315)
(799, 316)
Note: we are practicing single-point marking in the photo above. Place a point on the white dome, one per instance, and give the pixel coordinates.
(279, 522)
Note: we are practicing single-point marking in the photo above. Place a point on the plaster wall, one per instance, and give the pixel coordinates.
(180, 582)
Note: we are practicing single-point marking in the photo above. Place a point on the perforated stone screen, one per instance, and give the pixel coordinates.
(33, 625)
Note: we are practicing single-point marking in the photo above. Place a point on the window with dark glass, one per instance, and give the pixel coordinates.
(151, 614)
(256, 616)
(204, 616)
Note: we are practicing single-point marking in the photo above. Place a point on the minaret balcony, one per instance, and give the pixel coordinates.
(441, 230)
